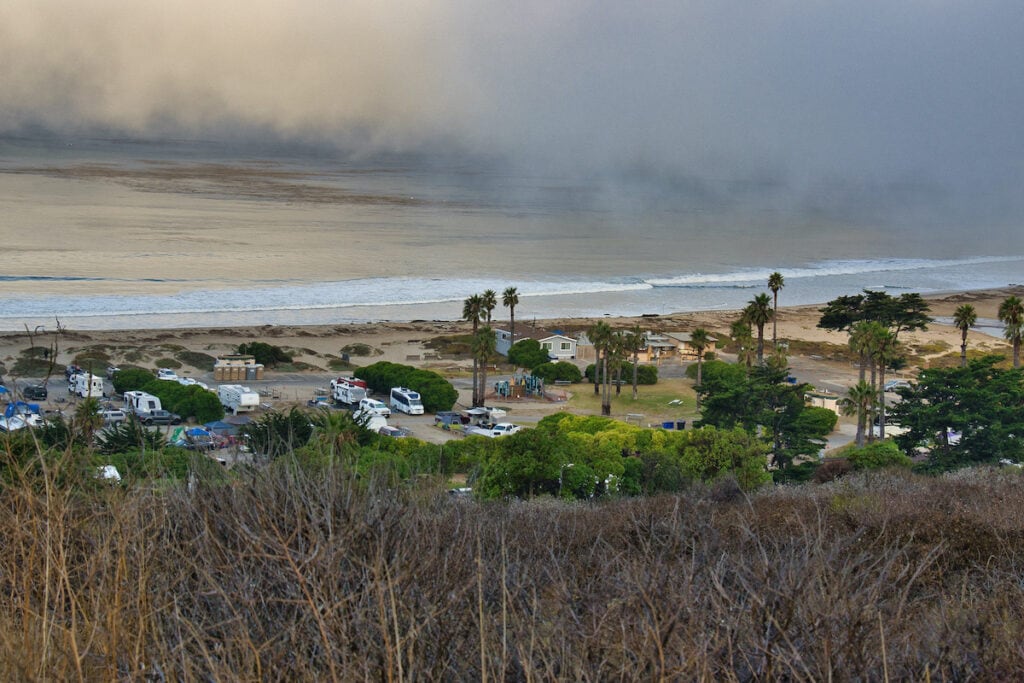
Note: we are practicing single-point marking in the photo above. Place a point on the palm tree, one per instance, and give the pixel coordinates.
(635, 342)
(860, 343)
(601, 337)
(775, 283)
(619, 351)
(483, 348)
(964, 318)
(744, 340)
(858, 402)
(87, 419)
(757, 313)
(1011, 314)
(700, 340)
(488, 300)
(885, 349)
(472, 310)
(510, 299)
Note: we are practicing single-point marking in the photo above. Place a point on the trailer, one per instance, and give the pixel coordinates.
(348, 391)
(86, 385)
(140, 403)
(238, 399)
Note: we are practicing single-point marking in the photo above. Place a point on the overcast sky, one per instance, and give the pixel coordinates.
(889, 96)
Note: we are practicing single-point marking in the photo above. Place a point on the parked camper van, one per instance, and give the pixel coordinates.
(406, 401)
(86, 385)
(140, 403)
(238, 399)
(348, 391)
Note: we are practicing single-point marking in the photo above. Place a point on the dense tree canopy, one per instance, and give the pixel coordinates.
(527, 353)
(906, 312)
(963, 415)
(762, 402)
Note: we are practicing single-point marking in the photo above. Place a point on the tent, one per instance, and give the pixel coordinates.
(222, 428)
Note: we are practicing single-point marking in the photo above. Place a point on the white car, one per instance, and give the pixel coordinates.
(166, 373)
(372, 406)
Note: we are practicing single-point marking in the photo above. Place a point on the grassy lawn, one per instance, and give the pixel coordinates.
(653, 401)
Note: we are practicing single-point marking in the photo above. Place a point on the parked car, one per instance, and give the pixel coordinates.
(159, 417)
(374, 407)
(166, 373)
(894, 384)
(112, 416)
(34, 392)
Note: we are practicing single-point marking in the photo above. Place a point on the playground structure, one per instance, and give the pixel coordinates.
(520, 385)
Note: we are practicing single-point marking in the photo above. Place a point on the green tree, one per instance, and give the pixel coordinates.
(775, 283)
(700, 340)
(634, 344)
(601, 335)
(483, 349)
(276, 434)
(885, 349)
(964, 318)
(709, 454)
(87, 419)
(743, 338)
(875, 456)
(561, 371)
(526, 463)
(265, 354)
(757, 313)
(963, 415)
(762, 403)
(488, 302)
(1011, 314)
(527, 353)
(510, 299)
(473, 311)
(131, 379)
(858, 402)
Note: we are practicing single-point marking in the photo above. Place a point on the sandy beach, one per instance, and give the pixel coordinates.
(399, 342)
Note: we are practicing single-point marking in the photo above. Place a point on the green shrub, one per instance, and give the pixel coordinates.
(361, 350)
(645, 374)
(131, 378)
(265, 354)
(876, 455)
(562, 371)
(527, 353)
(168, 363)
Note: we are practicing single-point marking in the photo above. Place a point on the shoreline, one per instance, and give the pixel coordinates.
(396, 339)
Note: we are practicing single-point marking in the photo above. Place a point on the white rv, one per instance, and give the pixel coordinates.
(140, 403)
(238, 399)
(85, 385)
(406, 401)
(347, 391)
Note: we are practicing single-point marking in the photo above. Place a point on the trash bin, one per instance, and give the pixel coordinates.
(681, 424)
(667, 425)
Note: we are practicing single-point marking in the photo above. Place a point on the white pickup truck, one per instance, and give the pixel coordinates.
(494, 431)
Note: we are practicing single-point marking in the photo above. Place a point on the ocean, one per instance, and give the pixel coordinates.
(115, 233)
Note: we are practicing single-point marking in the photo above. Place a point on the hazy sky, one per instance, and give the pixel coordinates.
(904, 100)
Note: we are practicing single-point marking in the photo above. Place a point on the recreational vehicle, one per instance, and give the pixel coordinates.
(238, 399)
(406, 401)
(140, 403)
(85, 385)
(348, 391)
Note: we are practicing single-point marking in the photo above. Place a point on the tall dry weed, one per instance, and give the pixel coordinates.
(299, 575)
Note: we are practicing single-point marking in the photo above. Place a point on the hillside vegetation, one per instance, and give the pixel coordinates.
(303, 571)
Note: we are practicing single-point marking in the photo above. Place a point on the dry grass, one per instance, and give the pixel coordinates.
(298, 575)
